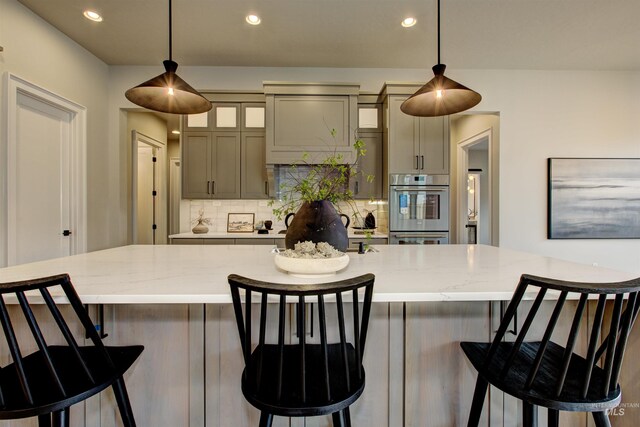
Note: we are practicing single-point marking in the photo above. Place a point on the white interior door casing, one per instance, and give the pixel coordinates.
(44, 155)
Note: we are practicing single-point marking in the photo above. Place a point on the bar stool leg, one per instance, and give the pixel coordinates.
(122, 398)
(266, 419)
(554, 418)
(338, 419)
(44, 420)
(601, 419)
(347, 417)
(529, 415)
(60, 418)
(478, 402)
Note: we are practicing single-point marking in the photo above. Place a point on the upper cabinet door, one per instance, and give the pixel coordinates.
(226, 116)
(253, 115)
(434, 145)
(404, 139)
(225, 165)
(196, 165)
(197, 122)
(369, 118)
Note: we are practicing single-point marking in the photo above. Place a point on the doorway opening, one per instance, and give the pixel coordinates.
(476, 177)
(148, 190)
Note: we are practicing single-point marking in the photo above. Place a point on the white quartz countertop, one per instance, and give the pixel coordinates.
(272, 234)
(142, 274)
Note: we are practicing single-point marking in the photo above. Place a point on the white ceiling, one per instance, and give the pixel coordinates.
(476, 34)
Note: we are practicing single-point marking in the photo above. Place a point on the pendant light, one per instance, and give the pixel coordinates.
(440, 96)
(167, 92)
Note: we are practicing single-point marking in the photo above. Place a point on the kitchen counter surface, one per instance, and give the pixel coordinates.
(273, 234)
(198, 273)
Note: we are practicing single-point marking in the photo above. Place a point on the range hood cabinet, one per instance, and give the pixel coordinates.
(300, 117)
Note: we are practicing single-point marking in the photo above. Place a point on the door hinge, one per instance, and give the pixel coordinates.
(154, 193)
(66, 232)
(153, 159)
(154, 226)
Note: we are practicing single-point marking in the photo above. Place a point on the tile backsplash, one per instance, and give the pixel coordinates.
(218, 210)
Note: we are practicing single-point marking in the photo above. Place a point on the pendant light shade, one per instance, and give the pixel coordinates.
(167, 92)
(440, 96)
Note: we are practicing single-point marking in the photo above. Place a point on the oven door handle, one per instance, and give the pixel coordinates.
(430, 189)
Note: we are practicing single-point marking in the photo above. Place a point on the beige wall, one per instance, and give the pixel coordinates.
(35, 51)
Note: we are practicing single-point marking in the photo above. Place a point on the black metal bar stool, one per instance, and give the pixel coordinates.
(304, 379)
(46, 383)
(551, 375)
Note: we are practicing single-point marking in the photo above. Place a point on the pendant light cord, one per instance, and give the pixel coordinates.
(170, 34)
(438, 30)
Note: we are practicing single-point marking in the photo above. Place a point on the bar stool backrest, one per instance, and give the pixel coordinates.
(42, 287)
(609, 351)
(321, 294)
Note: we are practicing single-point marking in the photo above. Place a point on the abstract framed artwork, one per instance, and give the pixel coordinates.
(240, 223)
(591, 198)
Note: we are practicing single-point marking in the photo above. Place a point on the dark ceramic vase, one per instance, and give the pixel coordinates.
(317, 221)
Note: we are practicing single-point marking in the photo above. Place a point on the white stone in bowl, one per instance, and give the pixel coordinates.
(310, 268)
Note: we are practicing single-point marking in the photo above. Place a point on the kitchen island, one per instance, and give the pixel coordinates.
(175, 300)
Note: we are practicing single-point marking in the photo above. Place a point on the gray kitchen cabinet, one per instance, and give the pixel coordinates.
(253, 181)
(225, 159)
(223, 116)
(211, 165)
(416, 144)
(196, 165)
(301, 116)
(369, 164)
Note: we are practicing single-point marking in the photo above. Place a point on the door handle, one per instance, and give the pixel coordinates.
(422, 164)
(266, 188)
(357, 187)
(417, 164)
(66, 232)
(213, 187)
(208, 186)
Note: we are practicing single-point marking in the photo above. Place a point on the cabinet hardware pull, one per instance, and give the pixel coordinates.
(422, 159)
(357, 187)
(208, 186)
(417, 162)
(266, 188)
(213, 187)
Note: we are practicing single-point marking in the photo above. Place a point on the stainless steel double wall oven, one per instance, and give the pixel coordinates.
(419, 209)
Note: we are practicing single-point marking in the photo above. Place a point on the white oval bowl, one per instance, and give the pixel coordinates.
(310, 268)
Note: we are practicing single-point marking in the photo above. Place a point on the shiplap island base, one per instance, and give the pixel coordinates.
(175, 301)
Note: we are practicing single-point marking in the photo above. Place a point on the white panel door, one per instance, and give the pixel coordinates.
(43, 181)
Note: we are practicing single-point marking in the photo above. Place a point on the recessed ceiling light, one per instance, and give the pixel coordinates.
(253, 19)
(409, 22)
(175, 132)
(94, 16)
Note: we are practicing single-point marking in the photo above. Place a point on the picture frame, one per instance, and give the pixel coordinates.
(593, 198)
(240, 222)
